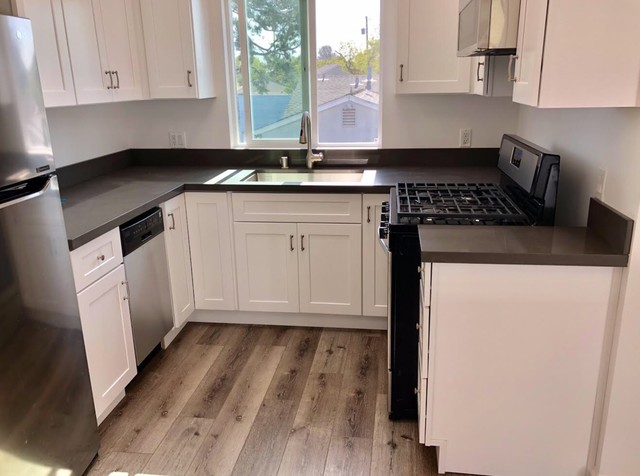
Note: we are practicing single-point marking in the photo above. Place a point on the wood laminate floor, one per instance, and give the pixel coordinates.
(253, 400)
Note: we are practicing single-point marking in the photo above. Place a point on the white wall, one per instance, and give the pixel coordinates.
(589, 139)
(82, 133)
(5, 7)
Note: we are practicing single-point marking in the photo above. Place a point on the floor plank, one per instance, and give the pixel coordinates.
(395, 444)
(332, 350)
(119, 463)
(348, 456)
(224, 442)
(306, 451)
(357, 401)
(177, 450)
(165, 404)
(209, 397)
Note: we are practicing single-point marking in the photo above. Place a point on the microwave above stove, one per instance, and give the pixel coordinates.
(488, 27)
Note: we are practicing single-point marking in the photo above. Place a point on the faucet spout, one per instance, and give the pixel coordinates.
(305, 138)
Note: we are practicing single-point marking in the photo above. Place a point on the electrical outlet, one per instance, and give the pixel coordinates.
(177, 140)
(600, 183)
(465, 137)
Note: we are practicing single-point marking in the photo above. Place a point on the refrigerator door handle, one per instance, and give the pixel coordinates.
(31, 196)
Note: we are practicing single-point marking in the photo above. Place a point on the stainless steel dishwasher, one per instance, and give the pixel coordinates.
(145, 263)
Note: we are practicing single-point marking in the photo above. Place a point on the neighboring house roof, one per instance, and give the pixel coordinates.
(333, 83)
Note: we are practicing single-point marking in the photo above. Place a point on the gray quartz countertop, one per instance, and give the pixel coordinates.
(569, 246)
(98, 205)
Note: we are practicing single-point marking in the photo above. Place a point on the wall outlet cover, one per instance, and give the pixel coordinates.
(465, 137)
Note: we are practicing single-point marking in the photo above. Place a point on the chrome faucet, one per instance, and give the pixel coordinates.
(305, 138)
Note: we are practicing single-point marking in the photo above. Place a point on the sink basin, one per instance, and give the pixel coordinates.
(305, 176)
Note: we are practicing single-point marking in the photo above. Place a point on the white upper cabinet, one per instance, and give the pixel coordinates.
(578, 54)
(490, 76)
(427, 38)
(178, 258)
(52, 52)
(104, 46)
(177, 36)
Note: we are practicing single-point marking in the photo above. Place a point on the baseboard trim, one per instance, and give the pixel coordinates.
(290, 319)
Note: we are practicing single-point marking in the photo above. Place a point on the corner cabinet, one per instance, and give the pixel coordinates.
(594, 63)
(174, 214)
(208, 215)
(427, 54)
(510, 359)
(104, 40)
(375, 262)
(177, 37)
(52, 51)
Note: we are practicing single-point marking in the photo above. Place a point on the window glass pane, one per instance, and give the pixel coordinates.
(274, 36)
(237, 57)
(348, 70)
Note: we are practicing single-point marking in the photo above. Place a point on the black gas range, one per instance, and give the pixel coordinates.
(525, 196)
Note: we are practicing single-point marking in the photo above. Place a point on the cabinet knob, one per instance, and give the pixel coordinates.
(101, 257)
(417, 326)
(416, 391)
(419, 269)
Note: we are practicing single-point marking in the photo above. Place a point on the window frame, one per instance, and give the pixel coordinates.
(309, 84)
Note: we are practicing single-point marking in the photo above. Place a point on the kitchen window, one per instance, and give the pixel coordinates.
(273, 67)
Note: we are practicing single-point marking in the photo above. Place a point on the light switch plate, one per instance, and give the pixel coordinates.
(177, 140)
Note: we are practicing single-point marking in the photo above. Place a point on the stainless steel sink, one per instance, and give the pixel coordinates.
(304, 176)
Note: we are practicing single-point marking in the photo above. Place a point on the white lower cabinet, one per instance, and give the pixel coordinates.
(330, 268)
(108, 339)
(514, 358)
(304, 267)
(375, 262)
(211, 251)
(267, 266)
(178, 258)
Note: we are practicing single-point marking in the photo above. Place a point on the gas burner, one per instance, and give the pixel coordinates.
(456, 204)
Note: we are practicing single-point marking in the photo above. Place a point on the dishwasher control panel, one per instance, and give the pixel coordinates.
(141, 229)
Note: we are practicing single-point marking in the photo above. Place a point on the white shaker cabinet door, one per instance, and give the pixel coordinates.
(211, 251)
(330, 257)
(375, 262)
(427, 39)
(267, 265)
(178, 258)
(527, 67)
(120, 24)
(52, 51)
(168, 36)
(108, 338)
(91, 73)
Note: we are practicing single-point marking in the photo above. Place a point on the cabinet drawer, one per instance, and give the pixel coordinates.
(95, 259)
(297, 208)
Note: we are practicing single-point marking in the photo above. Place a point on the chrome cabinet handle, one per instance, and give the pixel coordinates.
(117, 80)
(369, 214)
(173, 222)
(110, 79)
(401, 73)
(126, 285)
(189, 78)
(511, 69)
(478, 78)
(291, 242)
(301, 242)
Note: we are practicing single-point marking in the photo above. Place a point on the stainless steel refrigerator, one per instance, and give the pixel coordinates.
(47, 420)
